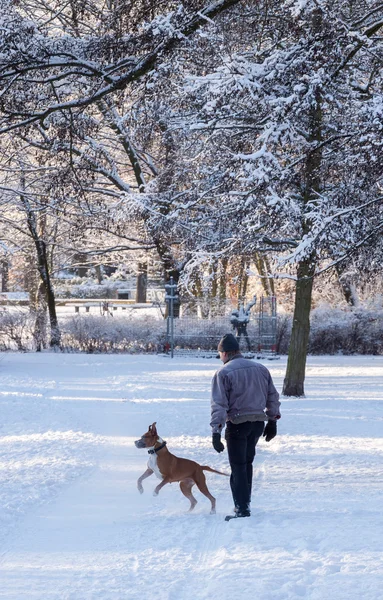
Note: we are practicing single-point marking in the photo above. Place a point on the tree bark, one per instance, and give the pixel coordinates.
(4, 275)
(214, 299)
(82, 267)
(223, 281)
(293, 384)
(243, 281)
(262, 265)
(142, 283)
(347, 287)
(99, 274)
(43, 268)
(40, 328)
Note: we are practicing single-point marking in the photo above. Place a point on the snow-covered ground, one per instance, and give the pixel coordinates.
(74, 527)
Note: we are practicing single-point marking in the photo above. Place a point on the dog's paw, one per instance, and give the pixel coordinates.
(155, 493)
(140, 489)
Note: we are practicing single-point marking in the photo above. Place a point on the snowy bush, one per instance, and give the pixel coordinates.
(333, 331)
(88, 289)
(92, 334)
(348, 332)
(16, 330)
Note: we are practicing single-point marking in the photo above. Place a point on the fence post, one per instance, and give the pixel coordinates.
(170, 297)
(171, 318)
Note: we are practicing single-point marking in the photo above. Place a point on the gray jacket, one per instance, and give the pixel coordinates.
(242, 388)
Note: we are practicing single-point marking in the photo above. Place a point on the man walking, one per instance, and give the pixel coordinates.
(243, 397)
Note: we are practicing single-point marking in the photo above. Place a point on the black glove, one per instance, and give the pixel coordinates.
(217, 444)
(270, 430)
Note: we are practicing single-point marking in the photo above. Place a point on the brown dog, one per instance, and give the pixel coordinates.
(170, 468)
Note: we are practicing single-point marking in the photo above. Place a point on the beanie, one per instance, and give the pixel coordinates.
(228, 343)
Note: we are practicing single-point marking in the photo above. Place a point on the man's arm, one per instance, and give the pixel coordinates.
(272, 411)
(272, 402)
(219, 403)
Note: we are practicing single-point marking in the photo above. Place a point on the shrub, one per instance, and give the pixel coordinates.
(88, 333)
(332, 331)
(346, 331)
(16, 330)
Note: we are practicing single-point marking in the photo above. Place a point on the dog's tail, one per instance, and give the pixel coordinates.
(214, 471)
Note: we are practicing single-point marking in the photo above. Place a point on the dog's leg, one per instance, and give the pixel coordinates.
(201, 484)
(186, 486)
(160, 485)
(147, 473)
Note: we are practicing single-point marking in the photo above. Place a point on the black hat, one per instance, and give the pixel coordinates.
(228, 343)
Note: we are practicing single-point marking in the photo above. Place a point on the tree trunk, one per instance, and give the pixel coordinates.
(240, 278)
(349, 292)
(169, 269)
(40, 328)
(293, 384)
(214, 281)
(142, 283)
(348, 288)
(243, 282)
(42, 265)
(99, 274)
(202, 303)
(37, 304)
(4, 275)
(263, 268)
(214, 299)
(223, 281)
(82, 268)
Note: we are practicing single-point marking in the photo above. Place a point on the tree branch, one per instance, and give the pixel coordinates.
(369, 32)
(141, 67)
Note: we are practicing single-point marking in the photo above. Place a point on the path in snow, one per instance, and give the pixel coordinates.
(75, 528)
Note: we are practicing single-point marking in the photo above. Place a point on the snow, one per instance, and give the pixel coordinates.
(74, 527)
(14, 296)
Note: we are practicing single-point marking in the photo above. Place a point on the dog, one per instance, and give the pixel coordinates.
(170, 468)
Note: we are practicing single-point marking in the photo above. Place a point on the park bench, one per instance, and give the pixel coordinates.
(87, 306)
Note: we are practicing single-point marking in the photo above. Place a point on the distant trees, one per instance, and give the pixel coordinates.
(289, 127)
(32, 225)
(70, 79)
(214, 136)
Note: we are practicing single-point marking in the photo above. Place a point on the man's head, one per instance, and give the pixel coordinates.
(228, 347)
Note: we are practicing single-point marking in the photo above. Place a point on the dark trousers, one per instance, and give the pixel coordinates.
(241, 441)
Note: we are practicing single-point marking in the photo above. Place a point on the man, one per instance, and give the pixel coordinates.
(243, 397)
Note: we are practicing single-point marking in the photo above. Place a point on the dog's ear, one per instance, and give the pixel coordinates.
(152, 428)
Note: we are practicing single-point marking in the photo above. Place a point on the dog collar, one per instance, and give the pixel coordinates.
(157, 449)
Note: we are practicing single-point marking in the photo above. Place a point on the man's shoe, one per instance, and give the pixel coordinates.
(238, 515)
(237, 509)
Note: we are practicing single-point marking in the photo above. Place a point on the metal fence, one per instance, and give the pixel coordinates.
(201, 324)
